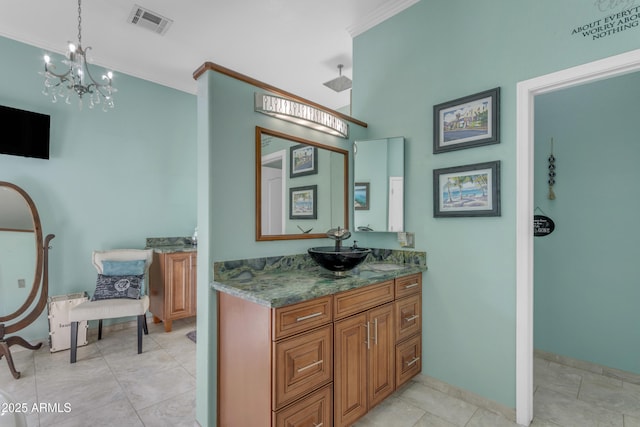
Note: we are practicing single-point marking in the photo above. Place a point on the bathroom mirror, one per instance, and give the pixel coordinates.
(378, 170)
(301, 187)
(23, 267)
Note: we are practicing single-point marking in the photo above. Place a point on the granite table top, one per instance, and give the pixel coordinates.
(280, 288)
(171, 244)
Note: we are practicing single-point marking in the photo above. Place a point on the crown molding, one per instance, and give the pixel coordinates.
(376, 16)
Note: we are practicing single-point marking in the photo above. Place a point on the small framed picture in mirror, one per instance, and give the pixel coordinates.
(361, 196)
(304, 160)
(303, 202)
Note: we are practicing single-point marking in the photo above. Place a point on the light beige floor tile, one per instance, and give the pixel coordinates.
(565, 411)
(391, 412)
(82, 396)
(631, 421)
(179, 411)
(430, 420)
(557, 377)
(153, 362)
(119, 413)
(144, 390)
(485, 418)
(614, 397)
(456, 411)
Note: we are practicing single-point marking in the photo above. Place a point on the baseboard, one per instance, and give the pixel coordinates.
(606, 371)
(467, 396)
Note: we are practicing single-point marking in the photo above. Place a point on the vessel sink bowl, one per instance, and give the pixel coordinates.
(340, 260)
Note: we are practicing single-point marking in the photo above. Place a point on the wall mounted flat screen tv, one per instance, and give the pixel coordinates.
(24, 133)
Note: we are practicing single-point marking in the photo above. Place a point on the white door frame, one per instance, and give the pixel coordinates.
(526, 91)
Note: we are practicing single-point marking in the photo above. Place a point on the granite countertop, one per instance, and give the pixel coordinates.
(171, 244)
(302, 281)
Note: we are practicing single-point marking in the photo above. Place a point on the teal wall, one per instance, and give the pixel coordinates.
(431, 53)
(586, 292)
(113, 178)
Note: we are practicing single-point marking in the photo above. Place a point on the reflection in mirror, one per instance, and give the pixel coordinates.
(378, 169)
(17, 249)
(301, 187)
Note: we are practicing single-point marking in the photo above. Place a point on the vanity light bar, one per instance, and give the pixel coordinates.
(302, 114)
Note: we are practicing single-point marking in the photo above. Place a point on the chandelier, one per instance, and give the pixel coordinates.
(77, 78)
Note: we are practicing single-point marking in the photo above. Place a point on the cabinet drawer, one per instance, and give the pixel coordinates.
(361, 299)
(313, 410)
(408, 357)
(301, 364)
(301, 317)
(408, 312)
(408, 285)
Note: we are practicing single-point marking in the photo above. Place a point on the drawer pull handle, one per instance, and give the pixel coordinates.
(412, 361)
(413, 285)
(310, 366)
(310, 316)
(409, 319)
(368, 335)
(317, 425)
(375, 331)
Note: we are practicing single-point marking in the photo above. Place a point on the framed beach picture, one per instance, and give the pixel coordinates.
(361, 196)
(304, 160)
(303, 202)
(467, 122)
(470, 190)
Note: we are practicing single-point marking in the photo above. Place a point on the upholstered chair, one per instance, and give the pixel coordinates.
(120, 292)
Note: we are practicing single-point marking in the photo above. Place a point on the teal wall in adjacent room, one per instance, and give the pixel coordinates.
(435, 52)
(586, 291)
(113, 178)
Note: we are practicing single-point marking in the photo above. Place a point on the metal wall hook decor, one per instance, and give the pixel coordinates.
(552, 173)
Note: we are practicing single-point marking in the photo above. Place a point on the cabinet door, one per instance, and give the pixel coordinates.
(350, 372)
(381, 354)
(179, 292)
(408, 316)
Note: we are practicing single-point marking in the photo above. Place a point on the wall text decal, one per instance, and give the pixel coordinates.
(626, 17)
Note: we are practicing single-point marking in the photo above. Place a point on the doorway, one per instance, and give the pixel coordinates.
(273, 175)
(526, 92)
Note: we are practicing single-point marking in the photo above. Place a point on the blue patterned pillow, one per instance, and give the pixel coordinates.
(110, 287)
(125, 268)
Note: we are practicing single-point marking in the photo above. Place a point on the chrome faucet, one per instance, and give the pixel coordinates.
(338, 234)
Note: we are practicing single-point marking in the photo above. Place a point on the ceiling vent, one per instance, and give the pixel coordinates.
(150, 20)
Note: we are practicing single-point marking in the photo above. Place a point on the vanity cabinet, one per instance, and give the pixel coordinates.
(172, 286)
(275, 365)
(321, 362)
(364, 348)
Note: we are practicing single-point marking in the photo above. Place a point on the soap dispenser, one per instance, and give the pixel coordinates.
(194, 238)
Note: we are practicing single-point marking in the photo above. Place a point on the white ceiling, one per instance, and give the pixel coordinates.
(295, 45)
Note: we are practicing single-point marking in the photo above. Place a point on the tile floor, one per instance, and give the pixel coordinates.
(564, 396)
(111, 386)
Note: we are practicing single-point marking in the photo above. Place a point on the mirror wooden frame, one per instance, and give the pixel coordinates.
(40, 283)
(260, 131)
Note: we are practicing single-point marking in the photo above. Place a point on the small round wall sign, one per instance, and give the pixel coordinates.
(542, 225)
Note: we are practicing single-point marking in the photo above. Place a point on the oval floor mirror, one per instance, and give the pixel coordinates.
(24, 284)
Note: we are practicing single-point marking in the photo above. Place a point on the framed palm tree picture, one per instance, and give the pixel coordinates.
(465, 191)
